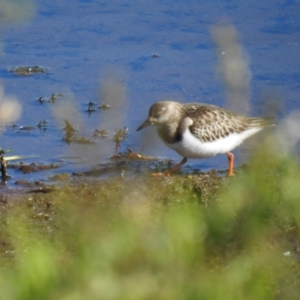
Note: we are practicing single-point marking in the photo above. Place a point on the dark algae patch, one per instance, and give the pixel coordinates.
(28, 70)
(32, 167)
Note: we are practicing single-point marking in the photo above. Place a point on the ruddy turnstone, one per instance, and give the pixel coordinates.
(197, 130)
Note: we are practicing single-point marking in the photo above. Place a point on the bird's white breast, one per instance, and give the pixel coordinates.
(191, 147)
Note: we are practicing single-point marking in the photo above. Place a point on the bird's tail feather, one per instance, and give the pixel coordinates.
(261, 122)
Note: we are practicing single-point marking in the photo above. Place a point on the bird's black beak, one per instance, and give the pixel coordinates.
(145, 124)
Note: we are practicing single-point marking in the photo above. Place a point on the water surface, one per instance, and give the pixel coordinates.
(102, 51)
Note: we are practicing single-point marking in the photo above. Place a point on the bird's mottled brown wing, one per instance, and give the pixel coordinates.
(212, 122)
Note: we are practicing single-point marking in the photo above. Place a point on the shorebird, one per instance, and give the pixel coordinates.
(198, 130)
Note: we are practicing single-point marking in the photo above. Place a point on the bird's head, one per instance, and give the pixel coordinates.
(160, 113)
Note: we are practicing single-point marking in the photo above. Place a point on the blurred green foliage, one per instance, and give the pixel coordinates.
(156, 238)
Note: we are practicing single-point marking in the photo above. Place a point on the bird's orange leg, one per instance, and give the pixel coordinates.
(230, 161)
(172, 170)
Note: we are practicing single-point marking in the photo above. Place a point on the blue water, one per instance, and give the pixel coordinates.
(86, 43)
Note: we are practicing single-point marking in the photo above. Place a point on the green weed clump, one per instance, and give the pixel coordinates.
(158, 238)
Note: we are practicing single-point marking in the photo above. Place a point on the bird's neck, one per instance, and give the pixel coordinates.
(169, 132)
